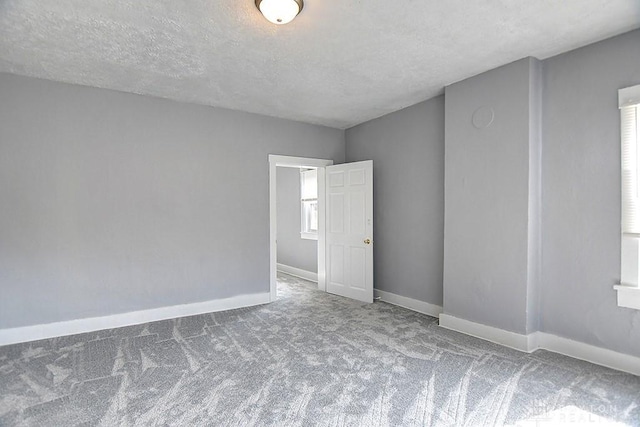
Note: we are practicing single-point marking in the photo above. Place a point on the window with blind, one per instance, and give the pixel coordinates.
(630, 197)
(309, 204)
(629, 290)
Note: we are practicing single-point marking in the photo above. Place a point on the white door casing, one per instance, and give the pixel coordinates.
(349, 230)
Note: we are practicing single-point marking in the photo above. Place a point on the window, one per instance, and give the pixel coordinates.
(629, 289)
(309, 204)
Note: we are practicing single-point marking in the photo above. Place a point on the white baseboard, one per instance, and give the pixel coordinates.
(70, 327)
(544, 341)
(298, 272)
(410, 303)
(499, 336)
(590, 353)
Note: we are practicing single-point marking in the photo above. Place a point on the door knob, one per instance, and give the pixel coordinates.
(367, 241)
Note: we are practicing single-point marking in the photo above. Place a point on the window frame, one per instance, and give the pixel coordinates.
(628, 290)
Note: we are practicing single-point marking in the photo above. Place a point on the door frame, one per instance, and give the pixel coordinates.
(276, 161)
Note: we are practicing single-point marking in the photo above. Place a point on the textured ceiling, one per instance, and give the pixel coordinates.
(339, 63)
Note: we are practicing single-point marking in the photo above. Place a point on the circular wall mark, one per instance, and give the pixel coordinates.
(483, 117)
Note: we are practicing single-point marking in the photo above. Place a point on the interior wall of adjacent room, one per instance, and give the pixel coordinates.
(293, 250)
(112, 202)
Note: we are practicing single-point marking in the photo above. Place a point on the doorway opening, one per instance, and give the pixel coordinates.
(310, 223)
(297, 228)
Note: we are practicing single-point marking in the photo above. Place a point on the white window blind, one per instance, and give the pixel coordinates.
(630, 117)
(629, 100)
(309, 187)
(309, 204)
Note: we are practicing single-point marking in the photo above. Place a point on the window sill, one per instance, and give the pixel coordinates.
(309, 236)
(628, 296)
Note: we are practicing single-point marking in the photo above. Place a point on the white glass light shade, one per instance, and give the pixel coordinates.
(279, 11)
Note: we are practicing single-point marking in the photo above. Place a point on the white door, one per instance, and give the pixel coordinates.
(349, 230)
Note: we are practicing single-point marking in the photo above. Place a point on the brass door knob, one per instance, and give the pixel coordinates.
(367, 241)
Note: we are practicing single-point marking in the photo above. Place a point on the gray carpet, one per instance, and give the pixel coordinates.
(309, 358)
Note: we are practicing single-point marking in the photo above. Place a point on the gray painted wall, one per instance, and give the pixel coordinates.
(581, 194)
(293, 250)
(534, 261)
(407, 149)
(487, 198)
(112, 202)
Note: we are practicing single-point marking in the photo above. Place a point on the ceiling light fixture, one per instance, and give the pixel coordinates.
(279, 11)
